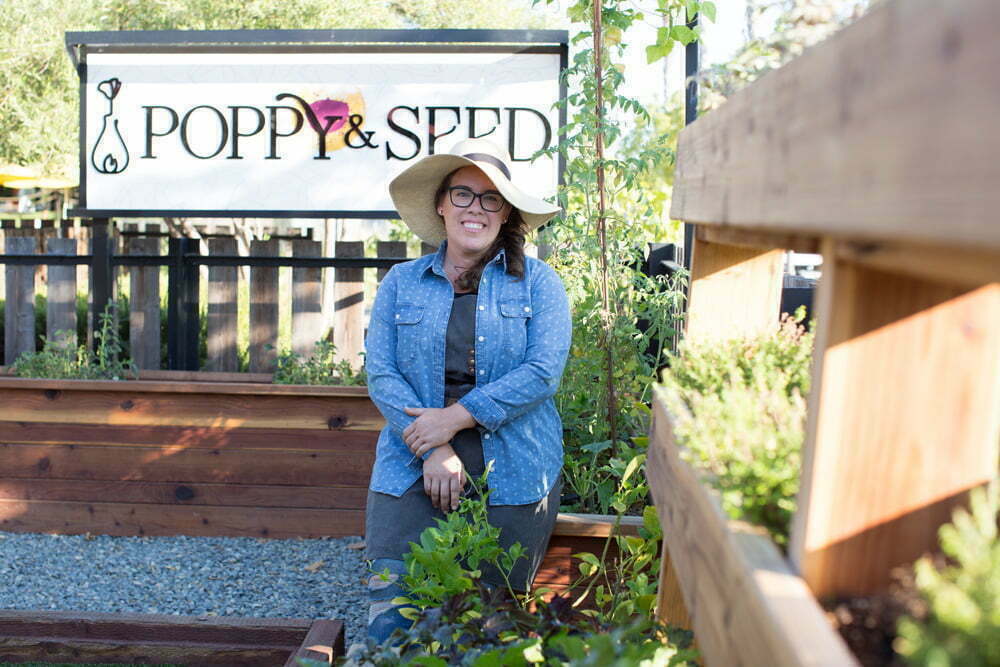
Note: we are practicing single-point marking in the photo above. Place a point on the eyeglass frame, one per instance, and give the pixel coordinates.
(475, 195)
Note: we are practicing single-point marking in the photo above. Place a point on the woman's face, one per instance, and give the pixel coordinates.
(471, 231)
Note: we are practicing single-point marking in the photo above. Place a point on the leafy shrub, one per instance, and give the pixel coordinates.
(61, 360)
(740, 412)
(321, 368)
(963, 627)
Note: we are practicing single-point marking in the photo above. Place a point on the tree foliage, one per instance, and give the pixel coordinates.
(39, 89)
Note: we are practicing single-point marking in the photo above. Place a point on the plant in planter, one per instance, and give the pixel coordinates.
(322, 367)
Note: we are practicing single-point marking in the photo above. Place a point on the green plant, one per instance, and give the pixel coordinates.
(61, 360)
(321, 368)
(740, 416)
(963, 627)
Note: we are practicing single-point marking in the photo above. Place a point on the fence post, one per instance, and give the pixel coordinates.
(101, 273)
(182, 306)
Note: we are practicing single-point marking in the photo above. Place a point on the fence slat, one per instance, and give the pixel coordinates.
(307, 315)
(61, 306)
(349, 305)
(19, 318)
(263, 309)
(427, 248)
(223, 283)
(389, 249)
(144, 306)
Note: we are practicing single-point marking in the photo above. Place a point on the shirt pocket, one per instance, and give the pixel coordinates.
(409, 333)
(514, 318)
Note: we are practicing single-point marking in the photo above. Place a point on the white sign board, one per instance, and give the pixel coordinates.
(301, 133)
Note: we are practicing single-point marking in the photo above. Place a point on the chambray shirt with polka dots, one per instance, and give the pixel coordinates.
(522, 338)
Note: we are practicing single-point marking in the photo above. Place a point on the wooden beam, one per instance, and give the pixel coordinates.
(324, 643)
(940, 264)
(756, 238)
(882, 132)
(735, 291)
(746, 605)
(904, 419)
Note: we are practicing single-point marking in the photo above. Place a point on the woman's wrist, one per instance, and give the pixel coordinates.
(461, 417)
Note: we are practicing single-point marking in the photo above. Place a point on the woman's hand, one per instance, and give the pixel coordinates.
(434, 427)
(444, 478)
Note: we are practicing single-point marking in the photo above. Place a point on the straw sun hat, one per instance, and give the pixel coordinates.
(413, 190)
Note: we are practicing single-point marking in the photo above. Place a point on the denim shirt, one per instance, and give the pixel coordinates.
(522, 339)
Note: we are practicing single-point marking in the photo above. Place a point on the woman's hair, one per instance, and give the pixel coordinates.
(510, 238)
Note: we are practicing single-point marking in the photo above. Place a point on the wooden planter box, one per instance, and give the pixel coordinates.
(61, 637)
(745, 603)
(184, 456)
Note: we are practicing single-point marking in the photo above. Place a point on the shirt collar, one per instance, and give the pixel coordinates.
(437, 264)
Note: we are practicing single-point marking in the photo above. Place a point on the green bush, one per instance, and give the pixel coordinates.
(740, 412)
(963, 626)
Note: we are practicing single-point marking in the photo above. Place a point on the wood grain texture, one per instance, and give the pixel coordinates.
(388, 249)
(876, 134)
(187, 382)
(178, 464)
(60, 321)
(904, 418)
(125, 519)
(147, 639)
(595, 525)
(185, 493)
(189, 437)
(216, 410)
(19, 313)
(263, 309)
(223, 309)
(735, 291)
(746, 606)
(349, 305)
(756, 238)
(307, 313)
(324, 643)
(939, 264)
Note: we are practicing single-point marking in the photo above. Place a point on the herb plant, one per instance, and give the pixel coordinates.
(321, 368)
(963, 626)
(60, 359)
(740, 409)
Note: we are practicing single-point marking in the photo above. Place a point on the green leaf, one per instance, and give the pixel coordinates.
(708, 10)
(683, 34)
(655, 52)
(534, 653)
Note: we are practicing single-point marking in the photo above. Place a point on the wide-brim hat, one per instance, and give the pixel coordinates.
(413, 190)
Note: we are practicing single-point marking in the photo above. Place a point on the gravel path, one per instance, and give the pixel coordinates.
(191, 576)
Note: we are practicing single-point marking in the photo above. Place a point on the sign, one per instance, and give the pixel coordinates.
(289, 131)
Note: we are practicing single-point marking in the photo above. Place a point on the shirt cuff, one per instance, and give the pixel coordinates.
(483, 409)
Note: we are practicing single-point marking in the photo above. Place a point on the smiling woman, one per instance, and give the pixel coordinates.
(465, 351)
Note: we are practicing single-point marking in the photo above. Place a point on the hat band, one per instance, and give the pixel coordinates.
(489, 159)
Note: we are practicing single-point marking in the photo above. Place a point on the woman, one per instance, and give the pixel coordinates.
(465, 350)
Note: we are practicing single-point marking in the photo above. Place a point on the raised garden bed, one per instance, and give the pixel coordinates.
(179, 455)
(745, 603)
(61, 637)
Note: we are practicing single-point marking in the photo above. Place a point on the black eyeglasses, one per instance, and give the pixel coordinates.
(463, 197)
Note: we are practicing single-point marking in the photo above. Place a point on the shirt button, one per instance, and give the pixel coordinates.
(527, 310)
(486, 436)
(482, 372)
(482, 338)
(482, 307)
(397, 316)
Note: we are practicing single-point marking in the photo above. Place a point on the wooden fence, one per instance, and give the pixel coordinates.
(876, 149)
(143, 258)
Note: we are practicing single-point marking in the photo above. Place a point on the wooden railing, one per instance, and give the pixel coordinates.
(878, 150)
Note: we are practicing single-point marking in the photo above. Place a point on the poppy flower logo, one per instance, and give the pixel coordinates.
(334, 109)
(110, 156)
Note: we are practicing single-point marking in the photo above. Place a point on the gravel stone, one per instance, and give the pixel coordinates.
(189, 576)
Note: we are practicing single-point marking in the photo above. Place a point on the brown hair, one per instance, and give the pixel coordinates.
(510, 238)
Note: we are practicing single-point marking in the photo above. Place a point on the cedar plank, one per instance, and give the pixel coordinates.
(170, 493)
(217, 410)
(354, 441)
(325, 642)
(184, 465)
(70, 650)
(124, 519)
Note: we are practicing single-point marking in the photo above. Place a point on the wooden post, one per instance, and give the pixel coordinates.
(223, 283)
(349, 305)
(19, 320)
(389, 249)
(61, 306)
(263, 310)
(735, 291)
(903, 420)
(307, 315)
